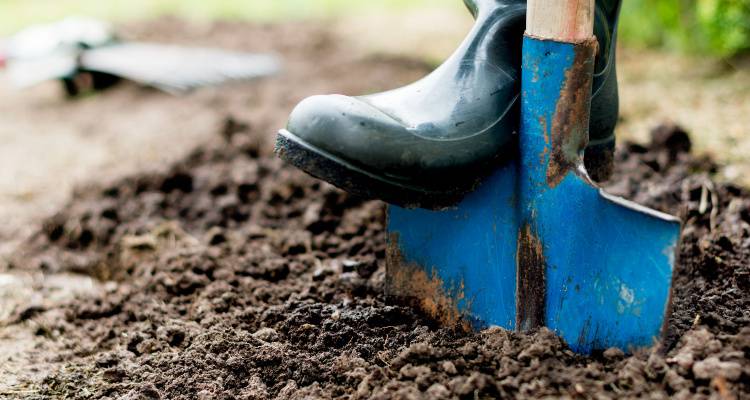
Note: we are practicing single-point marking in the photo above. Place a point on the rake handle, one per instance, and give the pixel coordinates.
(570, 21)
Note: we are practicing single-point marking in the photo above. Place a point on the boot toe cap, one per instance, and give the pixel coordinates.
(345, 127)
(318, 118)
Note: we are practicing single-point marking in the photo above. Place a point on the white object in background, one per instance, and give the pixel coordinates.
(45, 52)
(74, 45)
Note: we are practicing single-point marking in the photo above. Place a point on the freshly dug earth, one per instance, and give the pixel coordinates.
(240, 277)
(232, 275)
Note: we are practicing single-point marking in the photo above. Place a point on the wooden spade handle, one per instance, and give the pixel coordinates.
(570, 21)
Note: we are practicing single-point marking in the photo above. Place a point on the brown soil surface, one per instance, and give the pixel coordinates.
(232, 275)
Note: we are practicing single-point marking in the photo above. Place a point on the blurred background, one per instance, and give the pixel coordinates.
(718, 27)
(680, 61)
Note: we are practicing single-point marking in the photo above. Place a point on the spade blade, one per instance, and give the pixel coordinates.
(539, 245)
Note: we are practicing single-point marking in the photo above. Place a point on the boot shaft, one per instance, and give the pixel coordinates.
(477, 7)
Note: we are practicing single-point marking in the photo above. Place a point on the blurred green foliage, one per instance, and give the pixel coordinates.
(727, 24)
(716, 27)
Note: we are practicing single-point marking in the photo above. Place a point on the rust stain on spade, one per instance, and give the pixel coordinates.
(423, 290)
(570, 125)
(531, 281)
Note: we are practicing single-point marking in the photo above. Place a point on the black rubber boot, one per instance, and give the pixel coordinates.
(605, 101)
(429, 143)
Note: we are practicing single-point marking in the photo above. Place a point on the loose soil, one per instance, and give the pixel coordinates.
(231, 275)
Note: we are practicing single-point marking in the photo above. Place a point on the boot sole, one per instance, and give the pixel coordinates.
(599, 162)
(356, 180)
